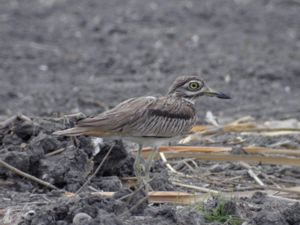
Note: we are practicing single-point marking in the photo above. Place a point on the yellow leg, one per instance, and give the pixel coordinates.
(142, 174)
(138, 167)
(148, 166)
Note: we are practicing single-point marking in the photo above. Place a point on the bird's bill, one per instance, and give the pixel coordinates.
(212, 93)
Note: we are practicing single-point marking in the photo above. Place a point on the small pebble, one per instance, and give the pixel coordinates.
(81, 218)
(29, 215)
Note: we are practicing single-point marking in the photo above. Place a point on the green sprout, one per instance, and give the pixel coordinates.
(220, 213)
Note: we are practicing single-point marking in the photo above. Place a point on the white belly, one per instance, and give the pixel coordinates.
(151, 141)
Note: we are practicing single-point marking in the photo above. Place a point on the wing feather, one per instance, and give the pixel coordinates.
(116, 119)
(144, 116)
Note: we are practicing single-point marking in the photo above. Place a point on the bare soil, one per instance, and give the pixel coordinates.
(61, 56)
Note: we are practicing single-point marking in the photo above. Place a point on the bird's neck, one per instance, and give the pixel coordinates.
(190, 100)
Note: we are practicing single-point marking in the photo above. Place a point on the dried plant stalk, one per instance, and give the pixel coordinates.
(174, 197)
(234, 158)
(254, 149)
(205, 149)
(249, 127)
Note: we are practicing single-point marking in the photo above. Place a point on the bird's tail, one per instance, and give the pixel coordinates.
(75, 131)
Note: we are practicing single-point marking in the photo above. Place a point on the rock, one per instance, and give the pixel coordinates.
(20, 160)
(190, 217)
(81, 219)
(25, 130)
(269, 218)
(105, 218)
(292, 214)
(111, 183)
(29, 215)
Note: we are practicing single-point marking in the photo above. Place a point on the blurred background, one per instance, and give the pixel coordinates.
(65, 56)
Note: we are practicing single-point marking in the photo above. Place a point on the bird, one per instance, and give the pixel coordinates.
(148, 120)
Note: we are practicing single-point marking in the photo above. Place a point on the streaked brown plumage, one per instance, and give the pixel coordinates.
(149, 120)
(143, 118)
(140, 117)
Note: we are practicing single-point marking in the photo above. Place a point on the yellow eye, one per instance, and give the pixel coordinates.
(194, 86)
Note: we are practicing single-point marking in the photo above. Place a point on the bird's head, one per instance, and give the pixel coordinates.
(192, 87)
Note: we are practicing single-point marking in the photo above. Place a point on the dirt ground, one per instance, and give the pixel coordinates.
(67, 56)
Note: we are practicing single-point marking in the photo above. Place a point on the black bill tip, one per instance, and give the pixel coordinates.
(223, 96)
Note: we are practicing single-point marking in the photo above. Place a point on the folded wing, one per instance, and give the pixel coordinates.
(144, 116)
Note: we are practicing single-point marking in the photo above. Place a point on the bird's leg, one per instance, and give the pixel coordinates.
(139, 171)
(148, 166)
(138, 168)
(143, 173)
